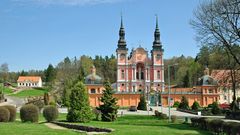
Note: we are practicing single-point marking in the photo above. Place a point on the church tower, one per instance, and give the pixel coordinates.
(157, 61)
(122, 61)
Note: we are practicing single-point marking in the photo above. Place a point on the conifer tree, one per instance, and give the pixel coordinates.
(79, 109)
(109, 107)
(142, 105)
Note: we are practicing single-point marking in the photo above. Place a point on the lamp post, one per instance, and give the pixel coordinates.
(169, 92)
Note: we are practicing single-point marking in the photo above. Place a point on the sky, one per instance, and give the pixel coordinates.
(35, 33)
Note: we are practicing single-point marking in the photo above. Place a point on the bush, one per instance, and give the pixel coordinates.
(195, 106)
(176, 104)
(39, 103)
(215, 108)
(50, 113)
(12, 110)
(215, 126)
(142, 105)
(52, 103)
(4, 114)
(160, 115)
(29, 113)
(203, 123)
(173, 118)
(184, 103)
(195, 122)
(97, 114)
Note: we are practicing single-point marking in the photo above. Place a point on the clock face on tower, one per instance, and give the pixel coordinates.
(122, 56)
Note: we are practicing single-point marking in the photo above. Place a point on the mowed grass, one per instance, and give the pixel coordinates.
(19, 128)
(6, 90)
(146, 125)
(30, 93)
(126, 125)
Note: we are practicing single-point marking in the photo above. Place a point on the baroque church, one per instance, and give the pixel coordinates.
(137, 72)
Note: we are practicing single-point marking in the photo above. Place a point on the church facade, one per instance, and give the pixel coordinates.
(137, 71)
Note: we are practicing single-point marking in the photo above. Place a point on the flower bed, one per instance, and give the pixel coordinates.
(82, 128)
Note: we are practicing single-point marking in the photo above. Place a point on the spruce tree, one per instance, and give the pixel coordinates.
(142, 105)
(109, 107)
(79, 108)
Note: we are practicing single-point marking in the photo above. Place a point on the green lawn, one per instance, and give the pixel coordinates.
(6, 90)
(147, 125)
(126, 125)
(18, 128)
(30, 93)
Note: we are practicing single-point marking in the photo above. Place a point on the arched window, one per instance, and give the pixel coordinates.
(158, 74)
(122, 74)
(93, 91)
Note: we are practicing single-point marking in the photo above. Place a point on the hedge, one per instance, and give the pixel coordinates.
(216, 126)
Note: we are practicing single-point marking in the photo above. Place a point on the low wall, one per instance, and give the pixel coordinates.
(123, 99)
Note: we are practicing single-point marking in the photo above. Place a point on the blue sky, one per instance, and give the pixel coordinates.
(35, 33)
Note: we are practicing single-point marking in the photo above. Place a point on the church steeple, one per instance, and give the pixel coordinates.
(121, 42)
(157, 43)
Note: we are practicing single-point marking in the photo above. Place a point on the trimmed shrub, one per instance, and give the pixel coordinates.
(195, 106)
(227, 127)
(215, 126)
(195, 122)
(29, 113)
(13, 111)
(4, 114)
(173, 118)
(203, 123)
(176, 104)
(50, 113)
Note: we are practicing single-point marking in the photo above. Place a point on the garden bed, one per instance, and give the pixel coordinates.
(82, 128)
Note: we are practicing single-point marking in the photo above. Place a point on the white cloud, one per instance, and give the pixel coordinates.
(66, 2)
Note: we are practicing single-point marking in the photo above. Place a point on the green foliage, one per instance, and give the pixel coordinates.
(160, 115)
(186, 80)
(98, 114)
(29, 113)
(176, 104)
(50, 113)
(109, 107)
(216, 126)
(142, 105)
(215, 108)
(4, 114)
(50, 74)
(46, 98)
(195, 105)
(184, 103)
(12, 110)
(39, 103)
(79, 108)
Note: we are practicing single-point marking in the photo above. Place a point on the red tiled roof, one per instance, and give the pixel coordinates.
(29, 78)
